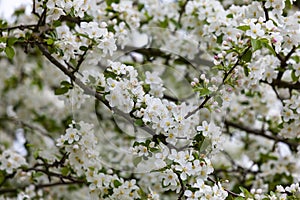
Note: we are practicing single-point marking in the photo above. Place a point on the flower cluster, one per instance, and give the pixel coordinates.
(211, 94)
(10, 161)
(79, 141)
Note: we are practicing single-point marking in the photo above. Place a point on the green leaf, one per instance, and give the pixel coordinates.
(256, 44)
(37, 174)
(139, 122)
(239, 198)
(83, 48)
(117, 183)
(220, 39)
(10, 52)
(109, 2)
(246, 71)
(198, 141)
(2, 176)
(147, 142)
(229, 15)
(218, 99)
(247, 56)
(266, 157)
(50, 41)
(164, 24)
(264, 40)
(109, 74)
(204, 91)
(11, 41)
(60, 91)
(92, 79)
(219, 67)
(146, 88)
(288, 4)
(169, 162)
(83, 35)
(136, 143)
(265, 43)
(178, 26)
(36, 154)
(154, 150)
(3, 24)
(29, 145)
(294, 77)
(140, 7)
(245, 192)
(65, 171)
(56, 23)
(296, 58)
(66, 84)
(137, 160)
(244, 27)
(142, 194)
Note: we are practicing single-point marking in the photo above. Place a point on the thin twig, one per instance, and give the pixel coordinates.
(182, 190)
(230, 192)
(258, 132)
(224, 79)
(20, 27)
(89, 91)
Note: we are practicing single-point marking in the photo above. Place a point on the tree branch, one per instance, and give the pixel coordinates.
(182, 190)
(181, 12)
(87, 90)
(284, 84)
(164, 54)
(14, 190)
(283, 62)
(224, 79)
(291, 144)
(230, 192)
(20, 27)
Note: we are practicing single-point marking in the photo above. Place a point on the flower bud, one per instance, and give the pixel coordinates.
(273, 40)
(202, 77)
(224, 43)
(196, 80)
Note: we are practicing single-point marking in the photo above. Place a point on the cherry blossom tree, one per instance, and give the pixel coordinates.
(151, 99)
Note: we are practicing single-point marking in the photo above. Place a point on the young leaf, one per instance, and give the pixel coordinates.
(65, 171)
(2, 177)
(11, 41)
(117, 183)
(60, 91)
(66, 84)
(49, 41)
(245, 192)
(229, 15)
(83, 48)
(139, 122)
(204, 91)
(137, 160)
(37, 174)
(246, 71)
(244, 27)
(256, 44)
(247, 56)
(293, 76)
(239, 198)
(266, 44)
(10, 52)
